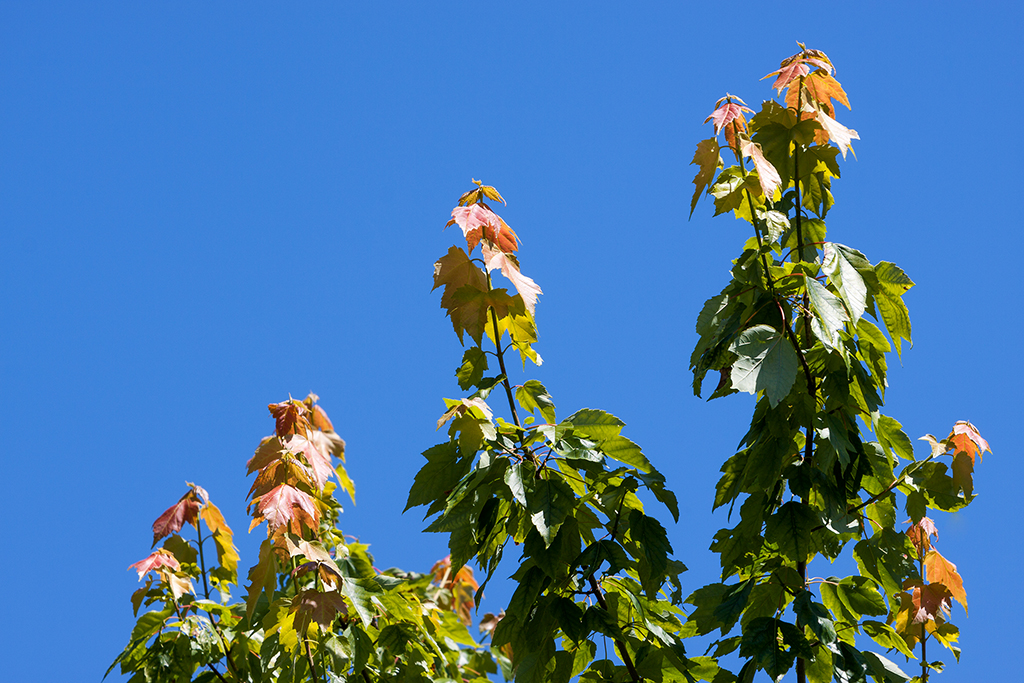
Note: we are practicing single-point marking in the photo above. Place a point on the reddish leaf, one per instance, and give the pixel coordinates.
(176, 516)
(462, 585)
(156, 560)
(766, 173)
(920, 534)
(478, 222)
(942, 571)
(463, 407)
(321, 607)
(707, 159)
(930, 601)
(527, 288)
(285, 506)
(966, 439)
(319, 463)
(290, 417)
(790, 71)
(727, 113)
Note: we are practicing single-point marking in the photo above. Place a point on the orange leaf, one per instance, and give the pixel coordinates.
(942, 571)
(967, 440)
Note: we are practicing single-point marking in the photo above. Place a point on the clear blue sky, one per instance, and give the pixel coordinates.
(208, 206)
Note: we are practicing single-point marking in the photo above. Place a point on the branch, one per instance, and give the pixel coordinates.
(619, 645)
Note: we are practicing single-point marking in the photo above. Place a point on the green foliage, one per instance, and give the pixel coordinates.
(804, 325)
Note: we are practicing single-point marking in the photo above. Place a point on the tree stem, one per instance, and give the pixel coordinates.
(619, 645)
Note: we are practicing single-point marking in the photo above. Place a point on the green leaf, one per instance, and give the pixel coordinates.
(760, 643)
(594, 424)
(860, 596)
(893, 438)
(515, 475)
(885, 557)
(733, 602)
(653, 540)
(474, 363)
(360, 593)
(622, 449)
(815, 616)
(790, 529)
(533, 396)
(440, 475)
(883, 669)
(886, 636)
(765, 362)
(838, 263)
(829, 313)
(549, 501)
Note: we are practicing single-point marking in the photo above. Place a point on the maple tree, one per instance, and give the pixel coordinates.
(820, 468)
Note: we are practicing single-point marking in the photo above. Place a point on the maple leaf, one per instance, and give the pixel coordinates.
(319, 464)
(155, 561)
(320, 419)
(290, 417)
(329, 442)
(766, 173)
(464, 406)
(479, 222)
(527, 288)
(791, 70)
(707, 159)
(966, 439)
(919, 535)
(284, 506)
(821, 87)
(837, 132)
(456, 271)
(318, 606)
(176, 516)
(942, 571)
(462, 586)
(729, 112)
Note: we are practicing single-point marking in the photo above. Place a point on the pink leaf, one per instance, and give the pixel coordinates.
(527, 288)
(837, 132)
(155, 561)
(726, 114)
(278, 507)
(766, 173)
(318, 462)
(478, 222)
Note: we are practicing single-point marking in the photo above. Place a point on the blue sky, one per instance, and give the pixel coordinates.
(206, 207)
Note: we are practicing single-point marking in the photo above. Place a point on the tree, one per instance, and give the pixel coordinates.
(567, 497)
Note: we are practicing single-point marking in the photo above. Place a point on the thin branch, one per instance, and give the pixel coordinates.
(619, 645)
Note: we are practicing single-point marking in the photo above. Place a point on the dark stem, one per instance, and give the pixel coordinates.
(206, 591)
(750, 207)
(309, 656)
(801, 567)
(508, 385)
(619, 645)
(924, 636)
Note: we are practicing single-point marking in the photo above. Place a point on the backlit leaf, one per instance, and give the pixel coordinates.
(942, 571)
(707, 159)
(766, 362)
